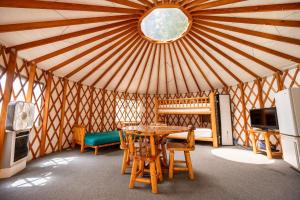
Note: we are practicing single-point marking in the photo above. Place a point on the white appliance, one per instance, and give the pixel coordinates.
(224, 121)
(19, 121)
(288, 114)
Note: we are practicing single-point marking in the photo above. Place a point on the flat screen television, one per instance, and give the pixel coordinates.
(264, 118)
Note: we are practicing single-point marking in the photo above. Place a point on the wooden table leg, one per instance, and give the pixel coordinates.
(152, 165)
(268, 145)
(253, 142)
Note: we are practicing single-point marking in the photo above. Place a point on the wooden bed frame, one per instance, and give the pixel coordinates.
(190, 106)
(78, 138)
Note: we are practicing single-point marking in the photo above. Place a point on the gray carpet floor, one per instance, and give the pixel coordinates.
(72, 175)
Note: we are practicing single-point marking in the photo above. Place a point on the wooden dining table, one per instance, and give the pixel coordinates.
(155, 133)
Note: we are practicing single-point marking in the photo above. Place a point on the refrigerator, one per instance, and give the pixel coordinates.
(288, 113)
(224, 119)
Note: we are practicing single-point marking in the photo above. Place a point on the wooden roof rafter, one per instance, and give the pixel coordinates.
(65, 36)
(188, 65)
(132, 62)
(166, 72)
(65, 6)
(117, 60)
(172, 67)
(180, 68)
(204, 60)
(195, 62)
(131, 52)
(102, 53)
(64, 22)
(158, 70)
(238, 51)
(139, 64)
(129, 4)
(213, 4)
(219, 63)
(247, 9)
(90, 50)
(144, 69)
(120, 48)
(250, 44)
(246, 20)
(151, 68)
(246, 69)
(79, 44)
(193, 3)
(249, 32)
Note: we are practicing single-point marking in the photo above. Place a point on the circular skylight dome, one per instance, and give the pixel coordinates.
(165, 24)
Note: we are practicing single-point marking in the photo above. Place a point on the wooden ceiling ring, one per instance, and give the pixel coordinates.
(123, 45)
(65, 6)
(218, 62)
(248, 9)
(196, 63)
(57, 38)
(167, 5)
(132, 63)
(172, 67)
(79, 44)
(246, 69)
(136, 69)
(165, 67)
(213, 4)
(180, 67)
(116, 60)
(158, 70)
(250, 44)
(249, 32)
(131, 52)
(272, 22)
(64, 22)
(144, 69)
(194, 3)
(152, 65)
(129, 4)
(89, 50)
(204, 60)
(188, 65)
(236, 50)
(102, 53)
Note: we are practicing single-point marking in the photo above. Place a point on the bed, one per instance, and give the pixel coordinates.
(190, 106)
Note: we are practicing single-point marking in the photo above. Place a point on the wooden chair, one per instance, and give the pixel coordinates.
(186, 148)
(141, 156)
(126, 155)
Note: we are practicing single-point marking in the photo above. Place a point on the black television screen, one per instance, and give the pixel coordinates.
(265, 118)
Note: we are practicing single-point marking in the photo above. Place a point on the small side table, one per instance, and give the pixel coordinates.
(266, 134)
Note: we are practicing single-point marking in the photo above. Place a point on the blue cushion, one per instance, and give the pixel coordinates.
(99, 138)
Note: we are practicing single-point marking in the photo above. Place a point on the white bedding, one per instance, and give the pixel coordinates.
(193, 105)
(199, 133)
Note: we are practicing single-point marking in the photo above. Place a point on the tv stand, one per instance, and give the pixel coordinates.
(254, 134)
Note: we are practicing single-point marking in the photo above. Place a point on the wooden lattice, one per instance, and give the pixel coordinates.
(54, 118)
(38, 98)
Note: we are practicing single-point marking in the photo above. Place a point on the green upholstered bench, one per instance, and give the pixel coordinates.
(94, 139)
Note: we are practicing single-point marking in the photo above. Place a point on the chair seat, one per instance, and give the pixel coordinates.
(172, 146)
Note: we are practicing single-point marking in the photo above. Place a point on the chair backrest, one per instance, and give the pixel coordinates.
(78, 134)
(191, 138)
(123, 140)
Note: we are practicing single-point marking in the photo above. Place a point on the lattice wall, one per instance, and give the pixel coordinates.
(269, 86)
(101, 110)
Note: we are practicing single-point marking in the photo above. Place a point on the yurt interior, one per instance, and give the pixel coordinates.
(149, 99)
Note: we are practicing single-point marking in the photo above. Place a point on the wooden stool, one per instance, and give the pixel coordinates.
(143, 154)
(127, 148)
(186, 148)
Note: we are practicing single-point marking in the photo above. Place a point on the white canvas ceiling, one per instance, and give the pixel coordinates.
(122, 59)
